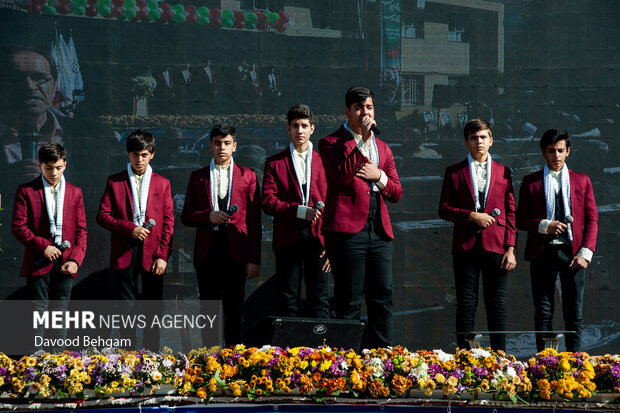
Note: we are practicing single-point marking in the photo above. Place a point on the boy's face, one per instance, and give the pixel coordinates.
(556, 154)
(140, 160)
(222, 148)
(52, 171)
(479, 143)
(358, 111)
(300, 131)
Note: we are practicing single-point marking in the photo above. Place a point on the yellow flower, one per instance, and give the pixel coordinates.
(202, 392)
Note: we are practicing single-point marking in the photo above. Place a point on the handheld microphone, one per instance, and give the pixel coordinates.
(474, 229)
(568, 219)
(41, 262)
(147, 225)
(28, 140)
(230, 211)
(319, 205)
(375, 130)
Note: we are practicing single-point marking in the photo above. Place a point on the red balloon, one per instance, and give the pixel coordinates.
(239, 24)
(261, 26)
(36, 9)
(164, 6)
(63, 9)
(64, 2)
(91, 11)
(283, 19)
(215, 12)
(141, 4)
(191, 19)
(280, 28)
(166, 15)
(215, 22)
(261, 18)
(118, 3)
(91, 1)
(190, 9)
(143, 14)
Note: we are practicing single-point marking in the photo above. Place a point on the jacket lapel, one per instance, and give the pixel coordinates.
(288, 161)
(466, 176)
(128, 195)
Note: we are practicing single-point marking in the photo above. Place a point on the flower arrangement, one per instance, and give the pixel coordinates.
(206, 121)
(317, 372)
(569, 375)
(143, 86)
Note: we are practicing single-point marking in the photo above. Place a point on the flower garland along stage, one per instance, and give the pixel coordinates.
(315, 372)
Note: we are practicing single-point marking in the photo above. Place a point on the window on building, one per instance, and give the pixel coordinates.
(412, 90)
(456, 28)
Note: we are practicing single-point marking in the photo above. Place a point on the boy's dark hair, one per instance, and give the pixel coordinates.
(300, 111)
(140, 140)
(476, 125)
(52, 152)
(357, 94)
(552, 136)
(221, 129)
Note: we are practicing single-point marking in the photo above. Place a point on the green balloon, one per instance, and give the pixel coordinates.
(154, 14)
(47, 9)
(250, 26)
(104, 2)
(78, 10)
(152, 4)
(178, 8)
(202, 11)
(272, 17)
(130, 4)
(227, 23)
(179, 17)
(78, 2)
(227, 14)
(104, 9)
(203, 20)
(130, 12)
(250, 18)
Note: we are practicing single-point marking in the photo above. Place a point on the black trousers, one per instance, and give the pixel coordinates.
(128, 292)
(302, 260)
(54, 286)
(220, 278)
(544, 272)
(362, 265)
(468, 266)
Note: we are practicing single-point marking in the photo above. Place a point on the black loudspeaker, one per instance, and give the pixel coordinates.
(314, 332)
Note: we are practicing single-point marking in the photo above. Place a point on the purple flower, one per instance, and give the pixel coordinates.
(389, 365)
(30, 374)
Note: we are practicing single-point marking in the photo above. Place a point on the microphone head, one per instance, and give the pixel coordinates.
(568, 219)
(320, 205)
(149, 224)
(375, 130)
(496, 212)
(234, 208)
(64, 245)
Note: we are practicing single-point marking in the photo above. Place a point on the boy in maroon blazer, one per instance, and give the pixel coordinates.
(48, 211)
(361, 178)
(555, 242)
(223, 203)
(133, 199)
(293, 184)
(482, 243)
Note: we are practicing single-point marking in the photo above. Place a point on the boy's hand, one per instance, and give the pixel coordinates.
(159, 267)
(556, 228)
(312, 214)
(369, 172)
(326, 266)
(52, 253)
(69, 267)
(140, 233)
(252, 270)
(218, 217)
(482, 219)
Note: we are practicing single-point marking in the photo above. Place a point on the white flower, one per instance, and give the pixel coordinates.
(376, 366)
(443, 356)
(420, 371)
(265, 348)
(156, 375)
(480, 353)
(511, 373)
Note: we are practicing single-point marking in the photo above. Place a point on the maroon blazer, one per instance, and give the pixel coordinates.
(31, 225)
(244, 227)
(348, 197)
(116, 215)
(457, 202)
(533, 208)
(282, 196)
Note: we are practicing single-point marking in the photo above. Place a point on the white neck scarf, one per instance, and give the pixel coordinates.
(214, 196)
(474, 180)
(139, 203)
(550, 195)
(55, 222)
(305, 195)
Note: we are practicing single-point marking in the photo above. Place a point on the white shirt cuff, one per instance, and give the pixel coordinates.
(543, 226)
(586, 254)
(301, 211)
(382, 182)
